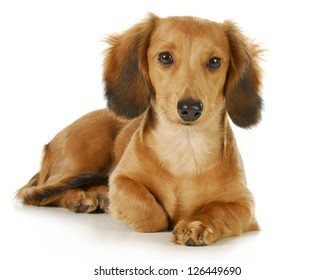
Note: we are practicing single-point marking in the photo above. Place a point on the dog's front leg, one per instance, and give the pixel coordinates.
(134, 204)
(213, 222)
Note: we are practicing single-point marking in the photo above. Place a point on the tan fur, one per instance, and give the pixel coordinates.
(164, 172)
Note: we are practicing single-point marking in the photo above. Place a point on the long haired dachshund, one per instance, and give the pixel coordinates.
(163, 155)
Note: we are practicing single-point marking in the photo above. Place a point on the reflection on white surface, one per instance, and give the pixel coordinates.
(54, 231)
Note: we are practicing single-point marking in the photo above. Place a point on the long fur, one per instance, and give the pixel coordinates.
(165, 172)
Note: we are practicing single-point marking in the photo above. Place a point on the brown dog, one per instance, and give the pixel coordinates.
(165, 144)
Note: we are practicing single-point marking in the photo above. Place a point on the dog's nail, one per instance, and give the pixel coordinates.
(191, 242)
(82, 208)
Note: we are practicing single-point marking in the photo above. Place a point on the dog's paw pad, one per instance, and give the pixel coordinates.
(71, 206)
(83, 208)
(191, 242)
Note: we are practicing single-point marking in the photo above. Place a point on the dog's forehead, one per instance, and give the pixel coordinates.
(174, 29)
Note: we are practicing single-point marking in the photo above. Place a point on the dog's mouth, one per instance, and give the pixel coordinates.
(186, 123)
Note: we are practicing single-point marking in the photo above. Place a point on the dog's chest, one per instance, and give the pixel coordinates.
(181, 196)
(185, 150)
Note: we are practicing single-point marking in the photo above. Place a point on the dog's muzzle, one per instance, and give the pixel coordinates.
(190, 110)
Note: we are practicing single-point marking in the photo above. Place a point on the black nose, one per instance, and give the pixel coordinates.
(190, 110)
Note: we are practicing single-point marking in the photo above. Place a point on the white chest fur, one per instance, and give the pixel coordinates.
(186, 150)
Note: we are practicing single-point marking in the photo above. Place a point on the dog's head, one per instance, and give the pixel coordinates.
(188, 69)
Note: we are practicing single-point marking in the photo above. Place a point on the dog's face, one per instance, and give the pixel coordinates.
(188, 69)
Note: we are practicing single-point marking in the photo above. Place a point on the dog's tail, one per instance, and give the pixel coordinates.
(46, 194)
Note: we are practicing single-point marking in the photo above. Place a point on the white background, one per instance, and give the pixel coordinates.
(50, 74)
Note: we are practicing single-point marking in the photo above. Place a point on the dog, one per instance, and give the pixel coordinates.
(163, 156)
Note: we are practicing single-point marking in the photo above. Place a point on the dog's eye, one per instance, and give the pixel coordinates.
(165, 58)
(213, 63)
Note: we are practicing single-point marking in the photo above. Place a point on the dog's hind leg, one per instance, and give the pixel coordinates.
(75, 166)
(85, 193)
(94, 200)
(88, 199)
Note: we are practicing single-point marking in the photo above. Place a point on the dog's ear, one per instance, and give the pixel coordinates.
(243, 81)
(127, 86)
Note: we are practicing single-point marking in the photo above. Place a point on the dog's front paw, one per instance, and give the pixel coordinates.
(193, 233)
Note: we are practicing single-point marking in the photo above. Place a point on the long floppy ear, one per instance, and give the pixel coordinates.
(127, 86)
(243, 83)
